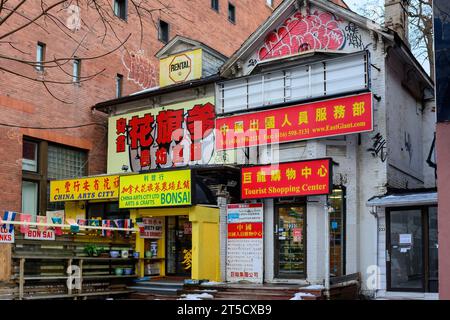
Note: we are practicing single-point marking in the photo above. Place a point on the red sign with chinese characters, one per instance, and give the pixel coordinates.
(340, 116)
(177, 135)
(245, 230)
(304, 178)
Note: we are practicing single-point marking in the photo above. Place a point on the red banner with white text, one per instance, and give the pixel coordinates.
(347, 115)
(303, 178)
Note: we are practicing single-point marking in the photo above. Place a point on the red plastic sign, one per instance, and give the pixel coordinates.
(246, 230)
(334, 117)
(304, 178)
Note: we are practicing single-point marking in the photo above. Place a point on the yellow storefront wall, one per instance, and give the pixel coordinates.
(205, 239)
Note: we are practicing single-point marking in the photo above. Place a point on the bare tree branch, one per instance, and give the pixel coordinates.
(98, 24)
(420, 26)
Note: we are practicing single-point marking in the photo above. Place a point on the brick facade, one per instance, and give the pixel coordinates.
(26, 103)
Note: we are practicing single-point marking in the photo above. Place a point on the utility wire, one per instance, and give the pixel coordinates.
(53, 128)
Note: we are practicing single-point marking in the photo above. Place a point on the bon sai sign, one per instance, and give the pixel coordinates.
(303, 178)
(158, 189)
(341, 116)
(104, 187)
(35, 234)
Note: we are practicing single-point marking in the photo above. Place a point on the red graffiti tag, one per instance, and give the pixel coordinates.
(302, 33)
(140, 69)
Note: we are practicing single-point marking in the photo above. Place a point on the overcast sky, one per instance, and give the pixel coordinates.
(352, 3)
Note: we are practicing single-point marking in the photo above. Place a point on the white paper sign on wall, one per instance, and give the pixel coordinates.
(245, 243)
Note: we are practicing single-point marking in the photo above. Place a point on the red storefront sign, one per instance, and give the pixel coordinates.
(333, 117)
(245, 230)
(304, 178)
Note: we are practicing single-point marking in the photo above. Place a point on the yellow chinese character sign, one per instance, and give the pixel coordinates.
(156, 189)
(92, 188)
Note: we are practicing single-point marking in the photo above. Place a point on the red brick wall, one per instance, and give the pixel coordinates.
(443, 172)
(26, 103)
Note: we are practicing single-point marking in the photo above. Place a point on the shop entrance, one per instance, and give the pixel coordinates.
(412, 259)
(178, 246)
(290, 241)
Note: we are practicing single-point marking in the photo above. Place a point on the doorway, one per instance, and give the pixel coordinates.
(178, 246)
(290, 241)
(412, 249)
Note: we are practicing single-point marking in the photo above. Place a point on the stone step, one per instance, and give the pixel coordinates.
(165, 284)
(155, 289)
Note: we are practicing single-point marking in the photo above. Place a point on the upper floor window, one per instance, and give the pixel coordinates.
(231, 12)
(76, 70)
(215, 5)
(29, 156)
(40, 56)
(120, 9)
(119, 85)
(163, 32)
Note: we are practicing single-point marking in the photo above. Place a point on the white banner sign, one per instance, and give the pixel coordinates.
(34, 234)
(151, 228)
(245, 242)
(5, 236)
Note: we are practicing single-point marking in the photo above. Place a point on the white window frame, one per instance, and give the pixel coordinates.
(76, 70)
(302, 82)
(118, 9)
(40, 56)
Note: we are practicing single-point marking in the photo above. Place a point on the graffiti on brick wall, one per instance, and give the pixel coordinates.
(431, 159)
(379, 147)
(408, 146)
(353, 37)
(140, 69)
(319, 30)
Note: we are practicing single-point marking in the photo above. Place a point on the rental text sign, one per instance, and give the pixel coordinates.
(181, 67)
(304, 178)
(334, 117)
(104, 187)
(158, 189)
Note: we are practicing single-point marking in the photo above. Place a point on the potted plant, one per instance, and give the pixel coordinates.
(92, 250)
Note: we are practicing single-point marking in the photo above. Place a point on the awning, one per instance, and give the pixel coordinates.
(401, 200)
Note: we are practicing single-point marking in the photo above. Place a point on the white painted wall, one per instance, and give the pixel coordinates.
(405, 130)
(364, 175)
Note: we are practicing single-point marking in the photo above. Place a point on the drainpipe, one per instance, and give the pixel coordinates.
(374, 212)
(327, 250)
(222, 201)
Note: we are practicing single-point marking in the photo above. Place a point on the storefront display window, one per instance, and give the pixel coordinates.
(179, 246)
(106, 210)
(412, 249)
(337, 232)
(290, 243)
